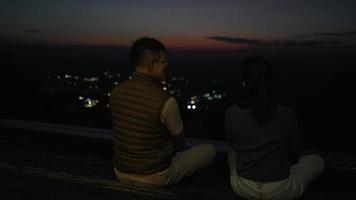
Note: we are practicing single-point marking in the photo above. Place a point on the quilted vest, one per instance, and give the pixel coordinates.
(142, 144)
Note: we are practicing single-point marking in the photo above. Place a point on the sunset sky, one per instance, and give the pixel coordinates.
(224, 24)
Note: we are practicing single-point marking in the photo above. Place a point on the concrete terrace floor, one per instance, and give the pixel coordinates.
(52, 161)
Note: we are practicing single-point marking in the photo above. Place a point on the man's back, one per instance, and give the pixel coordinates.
(141, 142)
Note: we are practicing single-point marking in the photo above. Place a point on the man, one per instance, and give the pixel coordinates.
(147, 127)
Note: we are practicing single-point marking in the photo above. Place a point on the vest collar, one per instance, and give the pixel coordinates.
(147, 77)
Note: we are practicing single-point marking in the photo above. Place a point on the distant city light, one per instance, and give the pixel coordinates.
(177, 86)
(89, 103)
(91, 79)
(194, 97)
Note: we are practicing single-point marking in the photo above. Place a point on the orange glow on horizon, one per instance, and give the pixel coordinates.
(193, 43)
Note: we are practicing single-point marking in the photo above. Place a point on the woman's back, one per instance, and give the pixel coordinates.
(262, 150)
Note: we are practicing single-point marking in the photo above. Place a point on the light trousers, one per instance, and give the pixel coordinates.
(183, 164)
(301, 175)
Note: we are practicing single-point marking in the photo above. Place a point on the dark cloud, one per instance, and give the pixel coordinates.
(331, 34)
(236, 40)
(348, 34)
(32, 30)
(275, 43)
(309, 43)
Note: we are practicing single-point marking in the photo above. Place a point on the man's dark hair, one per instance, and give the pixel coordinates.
(141, 45)
(255, 88)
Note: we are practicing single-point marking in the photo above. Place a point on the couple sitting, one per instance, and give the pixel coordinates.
(149, 139)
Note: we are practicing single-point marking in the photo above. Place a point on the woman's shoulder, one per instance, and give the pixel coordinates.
(285, 110)
(236, 111)
(233, 108)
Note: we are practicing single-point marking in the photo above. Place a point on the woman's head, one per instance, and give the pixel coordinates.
(256, 71)
(255, 87)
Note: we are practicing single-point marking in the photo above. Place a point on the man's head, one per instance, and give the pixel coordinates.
(148, 56)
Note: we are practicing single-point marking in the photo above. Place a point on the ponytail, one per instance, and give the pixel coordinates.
(254, 90)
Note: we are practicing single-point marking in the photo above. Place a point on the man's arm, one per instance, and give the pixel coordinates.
(170, 116)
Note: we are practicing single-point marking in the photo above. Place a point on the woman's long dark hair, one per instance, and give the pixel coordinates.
(255, 88)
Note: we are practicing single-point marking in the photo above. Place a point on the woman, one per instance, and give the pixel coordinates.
(264, 142)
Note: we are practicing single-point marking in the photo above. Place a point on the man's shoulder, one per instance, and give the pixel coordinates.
(170, 101)
(118, 87)
(146, 88)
